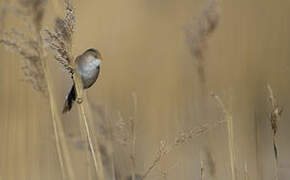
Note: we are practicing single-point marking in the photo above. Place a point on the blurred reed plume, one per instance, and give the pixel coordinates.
(198, 32)
(27, 44)
(36, 9)
(30, 46)
(274, 116)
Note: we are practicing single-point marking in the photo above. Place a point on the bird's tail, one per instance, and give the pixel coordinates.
(69, 99)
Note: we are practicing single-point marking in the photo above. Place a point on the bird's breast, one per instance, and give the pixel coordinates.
(89, 74)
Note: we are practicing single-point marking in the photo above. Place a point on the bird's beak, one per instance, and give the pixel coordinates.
(101, 58)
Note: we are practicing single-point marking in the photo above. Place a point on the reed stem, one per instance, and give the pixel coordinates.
(84, 113)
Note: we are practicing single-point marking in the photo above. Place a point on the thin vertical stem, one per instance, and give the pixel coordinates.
(82, 102)
(229, 118)
(246, 172)
(133, 138)
(202, 170)
(231, 145)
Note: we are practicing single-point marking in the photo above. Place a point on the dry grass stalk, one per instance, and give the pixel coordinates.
(87, 128)
(36, 6)
(60, 40)
(229, 119)
(181, 139)
(202, 175)
(133, 138)
(198, 32)
(31, 48)
(162, 151)
(275, 116)
(61, 144)
(246, 172)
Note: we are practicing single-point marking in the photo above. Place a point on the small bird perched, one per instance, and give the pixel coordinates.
(88, 67)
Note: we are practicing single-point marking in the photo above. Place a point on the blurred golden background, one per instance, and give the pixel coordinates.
(148, 57)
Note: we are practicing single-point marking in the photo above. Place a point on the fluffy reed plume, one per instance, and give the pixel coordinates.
(30, 46)
(274, 116)
(60, 40)
(229, 119)
(198, 32)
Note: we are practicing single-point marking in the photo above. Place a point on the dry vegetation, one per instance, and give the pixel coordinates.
(274, 116)
(31, 47)
(60, 40)
(197, 34)
(229, 119)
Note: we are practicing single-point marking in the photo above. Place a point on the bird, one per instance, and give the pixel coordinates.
(88, 67)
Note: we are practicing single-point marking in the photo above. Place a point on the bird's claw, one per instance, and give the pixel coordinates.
(79, 100)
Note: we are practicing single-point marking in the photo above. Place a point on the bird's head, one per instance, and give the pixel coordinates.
(94, 54)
